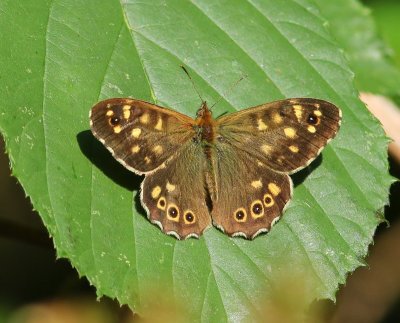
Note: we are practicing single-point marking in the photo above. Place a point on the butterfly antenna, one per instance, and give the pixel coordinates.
(193, 84)
(229, 90)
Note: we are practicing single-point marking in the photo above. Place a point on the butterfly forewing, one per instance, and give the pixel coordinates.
(140, 135)
(285, 135)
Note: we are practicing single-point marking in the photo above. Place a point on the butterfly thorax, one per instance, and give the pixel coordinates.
(205, 124)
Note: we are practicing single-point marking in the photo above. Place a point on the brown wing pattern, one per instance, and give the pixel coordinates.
(140, 135)
(245, 170)
(175, 195)
(285, 135)
(251, 197)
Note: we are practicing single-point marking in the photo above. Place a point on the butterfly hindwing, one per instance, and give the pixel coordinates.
(286, 135)
(140, 135)
(175, 195)
(251, 197)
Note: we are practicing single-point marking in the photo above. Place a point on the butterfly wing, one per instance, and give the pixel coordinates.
(175, 195)
(251, 197)
(140, 135)
(255, 151)
(285, 135)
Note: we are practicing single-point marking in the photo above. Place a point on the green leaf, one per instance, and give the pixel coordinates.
(385, 14)
(60, 57)
(369, 57)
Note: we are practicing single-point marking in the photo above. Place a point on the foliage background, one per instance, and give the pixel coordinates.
(121, 178)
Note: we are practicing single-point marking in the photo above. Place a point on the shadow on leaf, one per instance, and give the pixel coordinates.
(299, 177)
(103, 160)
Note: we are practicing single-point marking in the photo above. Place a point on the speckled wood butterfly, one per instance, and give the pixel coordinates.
(232, 171)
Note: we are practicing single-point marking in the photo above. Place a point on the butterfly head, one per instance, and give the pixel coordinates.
(204, 113)
(205, 124)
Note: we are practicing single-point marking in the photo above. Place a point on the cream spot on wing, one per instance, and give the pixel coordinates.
(135, 149)
(136, 132)
(161, 203)
(159, 124)
(117, 129)
(317, 105)
(277, 118)
(294, 149)
(173, 212)
(155, 193)
(109, 113)
(256, 184)
(261, 125)
(158, 149)
(311, 129)
(274, 189)
(170, 187)
(266, 149)
(147, 160)
(189, 217)
(127, 114)
(268, 200)
(317, 113)
(240, 215)
(290, 132)
(109, 105)
(126, 110)
(144, 118)
(257, 209)
(298, 111)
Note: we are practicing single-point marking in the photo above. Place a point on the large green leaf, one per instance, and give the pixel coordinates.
(60, 57)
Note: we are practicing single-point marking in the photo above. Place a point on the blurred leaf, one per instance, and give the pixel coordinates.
(60, 57)
(386, 14)
(369, 57)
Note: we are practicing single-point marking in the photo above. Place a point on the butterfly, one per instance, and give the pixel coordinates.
(231, 172)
